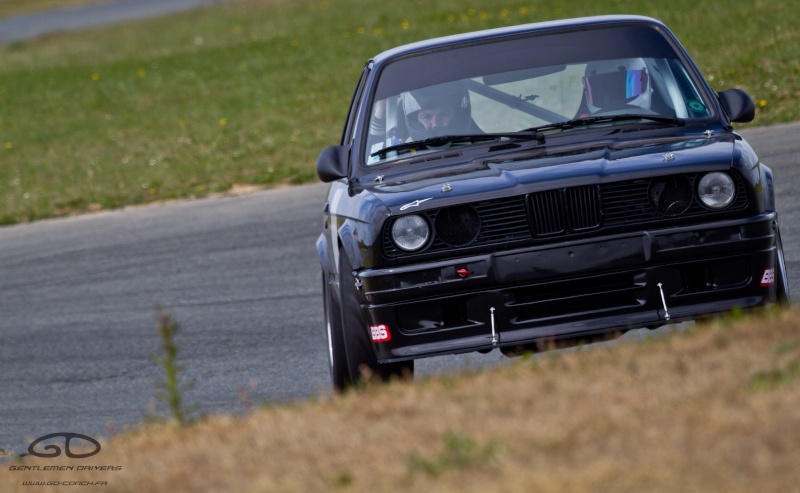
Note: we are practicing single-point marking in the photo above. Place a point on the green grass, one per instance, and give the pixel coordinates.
(191, 104)
(10, 8)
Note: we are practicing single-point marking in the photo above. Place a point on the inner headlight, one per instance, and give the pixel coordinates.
(410, 233)
(716, 190)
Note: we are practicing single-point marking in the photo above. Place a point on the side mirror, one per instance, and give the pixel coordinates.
(332, 163)
(738, 105)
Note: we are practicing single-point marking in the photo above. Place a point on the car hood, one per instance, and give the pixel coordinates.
(552, 167)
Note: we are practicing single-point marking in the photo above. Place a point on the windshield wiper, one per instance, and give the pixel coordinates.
(591, 120)
(433, 142)
(533, 133)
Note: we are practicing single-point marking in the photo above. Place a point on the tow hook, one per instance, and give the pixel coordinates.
(495, 335)
(663, 301)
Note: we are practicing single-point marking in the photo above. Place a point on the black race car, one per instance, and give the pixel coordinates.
(536, 185)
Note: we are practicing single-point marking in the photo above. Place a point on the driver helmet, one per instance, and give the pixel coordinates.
(451, 96)
(611, 84)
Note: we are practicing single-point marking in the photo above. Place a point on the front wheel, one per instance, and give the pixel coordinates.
(337, 357)
(361, 360)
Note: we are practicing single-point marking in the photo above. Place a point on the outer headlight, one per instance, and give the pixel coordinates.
(716, 190)
(410, 233)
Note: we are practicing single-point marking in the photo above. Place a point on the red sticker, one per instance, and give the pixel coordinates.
(380, 333)
(768, 279)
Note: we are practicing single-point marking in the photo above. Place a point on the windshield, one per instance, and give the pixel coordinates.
(509, 86)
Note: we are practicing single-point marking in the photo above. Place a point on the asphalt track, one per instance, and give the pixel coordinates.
(240, 275)
(28, 26)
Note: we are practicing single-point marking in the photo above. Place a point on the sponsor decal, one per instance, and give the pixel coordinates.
(768, 279)
(416, 203)
(380, 333)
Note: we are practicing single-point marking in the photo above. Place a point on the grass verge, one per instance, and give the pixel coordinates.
(250, 92)
(712, 409)
(10, 8)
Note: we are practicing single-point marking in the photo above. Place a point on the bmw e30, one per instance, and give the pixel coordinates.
(536, 184)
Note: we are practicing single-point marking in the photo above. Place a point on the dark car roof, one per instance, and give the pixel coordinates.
(512, 31)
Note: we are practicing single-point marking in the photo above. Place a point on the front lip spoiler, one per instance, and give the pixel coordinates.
(570, 330)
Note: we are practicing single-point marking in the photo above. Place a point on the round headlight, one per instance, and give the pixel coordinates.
(410, 233)
(716, 190)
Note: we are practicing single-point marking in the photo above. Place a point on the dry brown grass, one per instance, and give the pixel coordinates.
(713, 409)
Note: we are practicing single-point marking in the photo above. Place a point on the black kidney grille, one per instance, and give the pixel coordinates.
(547, 213)
(559, 211)
(583, 204)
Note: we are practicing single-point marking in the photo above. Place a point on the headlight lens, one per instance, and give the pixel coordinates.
(716, 190)
(410, 233)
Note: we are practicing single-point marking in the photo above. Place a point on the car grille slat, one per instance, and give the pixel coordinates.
(546, 209)
(584, 207)
(627, 201)
(502, 218)
(554, 213)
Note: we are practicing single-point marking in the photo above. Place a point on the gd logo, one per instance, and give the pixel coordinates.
(55, 450)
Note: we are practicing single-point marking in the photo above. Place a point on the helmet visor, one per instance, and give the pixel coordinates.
(615, 87)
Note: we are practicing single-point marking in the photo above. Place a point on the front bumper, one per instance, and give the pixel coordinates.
(570, 289)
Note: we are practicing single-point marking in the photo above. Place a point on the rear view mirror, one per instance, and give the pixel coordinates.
(738, 105)
(332, 163)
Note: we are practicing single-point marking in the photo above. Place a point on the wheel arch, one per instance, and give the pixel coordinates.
(767, 188)
(324, 255)
(345, 242)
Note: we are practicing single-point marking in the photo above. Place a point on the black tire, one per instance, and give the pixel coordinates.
(337, 358)
(781, 279)
(361, 360)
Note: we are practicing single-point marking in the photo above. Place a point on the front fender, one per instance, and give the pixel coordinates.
(358, 219)
(767, 188)
(324, 256)
(346, 243)
(760, 175)
(348, 239)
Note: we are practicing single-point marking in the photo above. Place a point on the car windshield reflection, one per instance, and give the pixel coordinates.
(430, 96)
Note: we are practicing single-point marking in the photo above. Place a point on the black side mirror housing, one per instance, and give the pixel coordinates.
(738, 105)
(332, 163)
